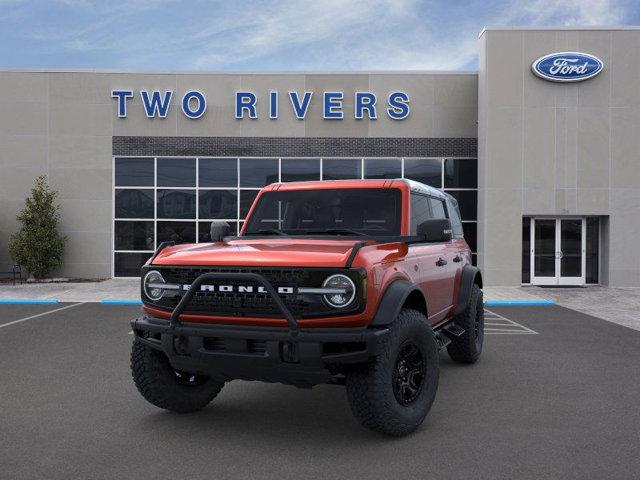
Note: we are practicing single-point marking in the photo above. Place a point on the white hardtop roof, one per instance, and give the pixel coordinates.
(424, 189)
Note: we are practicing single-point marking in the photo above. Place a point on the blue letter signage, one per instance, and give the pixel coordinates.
(247, 104)
(200, 101)
(567, 66)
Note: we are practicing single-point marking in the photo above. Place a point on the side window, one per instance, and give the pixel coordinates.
(420, 211)
(454, 215)
(437, 207)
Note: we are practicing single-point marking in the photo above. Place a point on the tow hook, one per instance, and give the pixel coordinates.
(181, 345)
(289, 352)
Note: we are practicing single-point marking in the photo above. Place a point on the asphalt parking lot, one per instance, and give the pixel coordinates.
(555, 395)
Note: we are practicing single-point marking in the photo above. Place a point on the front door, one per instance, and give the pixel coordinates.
(558, 251)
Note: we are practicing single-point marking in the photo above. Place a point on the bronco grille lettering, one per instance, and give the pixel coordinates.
(239, 289)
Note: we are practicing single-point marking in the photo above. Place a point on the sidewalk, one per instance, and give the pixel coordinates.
(617, 305)
(121, 289)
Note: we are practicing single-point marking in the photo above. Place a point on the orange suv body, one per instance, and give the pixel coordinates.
(313, 283)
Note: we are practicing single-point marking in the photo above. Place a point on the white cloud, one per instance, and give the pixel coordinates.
(570, 12)
(303, 34)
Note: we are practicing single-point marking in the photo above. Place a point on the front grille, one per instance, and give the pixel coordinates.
(257, 304)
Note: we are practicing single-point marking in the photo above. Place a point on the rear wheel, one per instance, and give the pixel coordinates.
(467, 347)
(163, 386)
(394, 392)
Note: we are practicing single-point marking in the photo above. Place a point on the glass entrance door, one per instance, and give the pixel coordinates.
(558, 251)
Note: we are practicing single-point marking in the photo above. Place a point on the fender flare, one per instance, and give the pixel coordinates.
(470, 276)
(392, 300)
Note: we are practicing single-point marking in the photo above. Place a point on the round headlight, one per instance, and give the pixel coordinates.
(152, 285)
(344, 291)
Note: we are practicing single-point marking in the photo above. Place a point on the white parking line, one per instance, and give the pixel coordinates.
(20, 320)
(499, 325)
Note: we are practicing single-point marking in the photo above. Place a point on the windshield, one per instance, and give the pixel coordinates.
(352, 211)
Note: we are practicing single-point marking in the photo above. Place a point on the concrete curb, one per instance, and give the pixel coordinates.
(28, 301)
(518, 303)
(117, 301)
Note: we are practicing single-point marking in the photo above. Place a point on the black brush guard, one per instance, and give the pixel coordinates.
(256, 277)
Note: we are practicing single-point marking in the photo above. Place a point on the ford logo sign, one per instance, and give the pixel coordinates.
(567, 66)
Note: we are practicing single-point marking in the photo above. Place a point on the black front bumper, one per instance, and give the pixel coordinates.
(311, 356)
(291, 355)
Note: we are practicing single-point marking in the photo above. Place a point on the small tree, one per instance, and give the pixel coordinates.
(38, 246)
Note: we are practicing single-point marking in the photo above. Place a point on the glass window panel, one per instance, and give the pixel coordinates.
(221, 204)
(420, 211)
(593, 240)
(544, 262)
(424, 170)
(204, 229)
(129, 264)
(134, 203)
(176, 172)
(300, 169)
(246, 200)
(258, 172)
(437, 208)
(179, 232)
(467, 203)
(134, 172)
(460, 173)
(526, 250)
(470, 235)
(382, 168)
(341, 168)
(571, 248)
(218, 172)
(176, 203)
(133, 235)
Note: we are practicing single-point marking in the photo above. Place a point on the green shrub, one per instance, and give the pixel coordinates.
(37, 246)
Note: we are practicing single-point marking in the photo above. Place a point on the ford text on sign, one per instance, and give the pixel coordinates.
(567, 66)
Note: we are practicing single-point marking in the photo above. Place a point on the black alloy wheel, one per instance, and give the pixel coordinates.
(408, 373)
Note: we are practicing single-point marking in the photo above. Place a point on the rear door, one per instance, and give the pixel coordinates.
(446, 263)
(432, 274)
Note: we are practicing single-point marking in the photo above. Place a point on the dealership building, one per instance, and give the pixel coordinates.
(540, 146)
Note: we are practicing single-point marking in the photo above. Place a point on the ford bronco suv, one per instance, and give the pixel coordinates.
(357, 283)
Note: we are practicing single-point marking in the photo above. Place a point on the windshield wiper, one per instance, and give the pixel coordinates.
(337, 231)
(267, 231)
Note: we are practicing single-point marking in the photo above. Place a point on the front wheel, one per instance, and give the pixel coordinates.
(163, 386)
(394, 392)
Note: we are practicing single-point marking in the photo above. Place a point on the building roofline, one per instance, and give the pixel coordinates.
(562, 27)
(238, 72)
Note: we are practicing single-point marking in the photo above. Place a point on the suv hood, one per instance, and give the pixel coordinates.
(277, 252)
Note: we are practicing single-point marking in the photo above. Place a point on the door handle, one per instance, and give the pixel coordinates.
(457, 258)
(441, 262)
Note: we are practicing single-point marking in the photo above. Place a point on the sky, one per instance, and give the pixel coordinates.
(278, 35)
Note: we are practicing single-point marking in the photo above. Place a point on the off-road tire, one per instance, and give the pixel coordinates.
(370, 387)
(158, 383)
(467, 347)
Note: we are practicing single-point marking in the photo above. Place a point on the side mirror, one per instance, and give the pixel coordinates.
(219, 230)
(436, 230)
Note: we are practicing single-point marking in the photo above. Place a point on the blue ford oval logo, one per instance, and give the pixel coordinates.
(567, 66)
